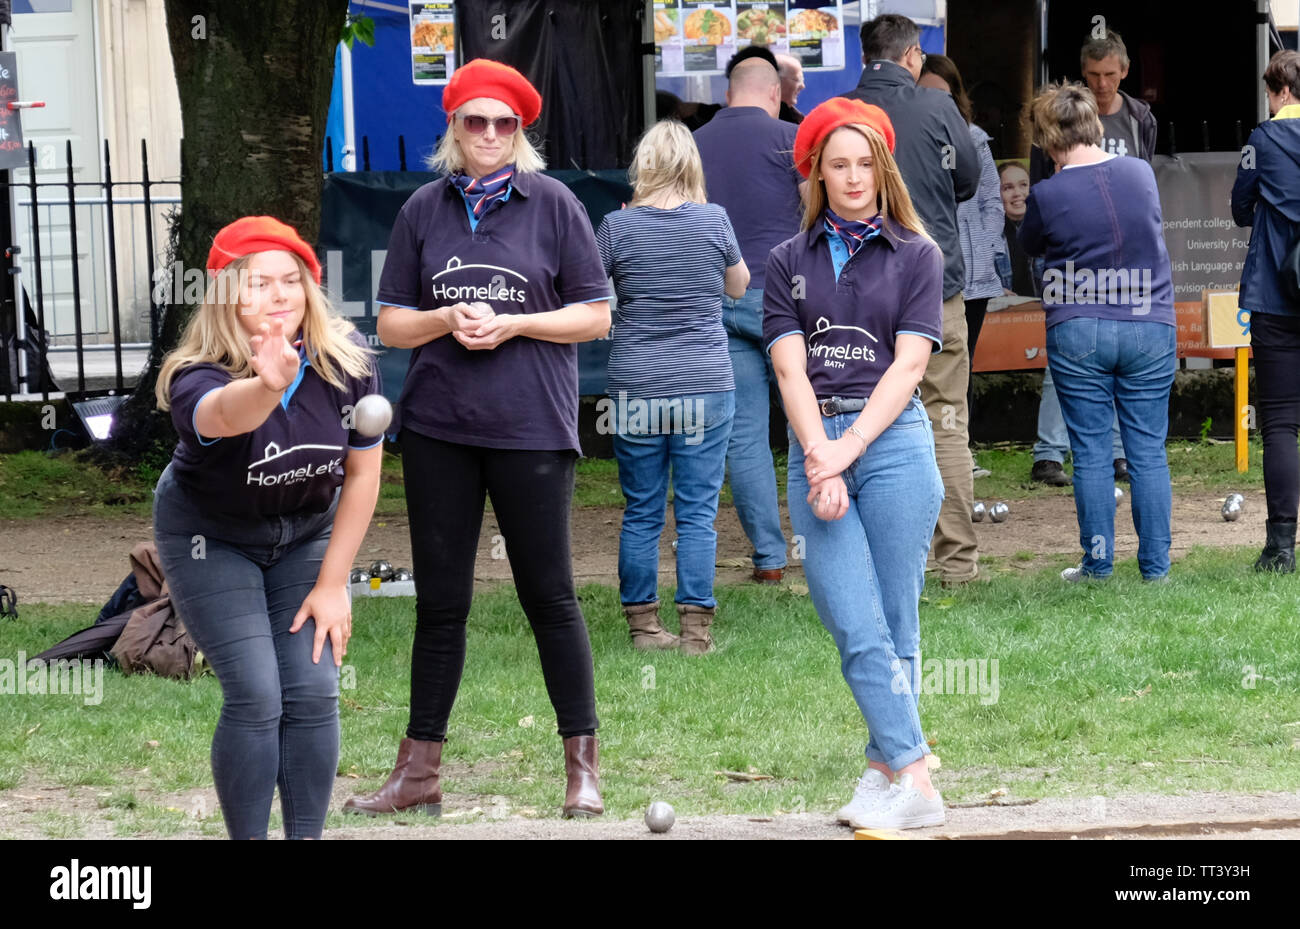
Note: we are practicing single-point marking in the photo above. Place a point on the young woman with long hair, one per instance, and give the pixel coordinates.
(853, 309)
(260, 513)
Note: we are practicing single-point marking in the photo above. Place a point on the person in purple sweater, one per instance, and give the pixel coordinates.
(1109, 299)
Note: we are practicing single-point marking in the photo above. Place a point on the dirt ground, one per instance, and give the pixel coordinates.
(25, 812)
(83, 559)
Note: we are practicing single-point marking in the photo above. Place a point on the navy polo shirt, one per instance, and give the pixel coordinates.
(748, 160)
(292, 462)
(534, 253)
(850, 310)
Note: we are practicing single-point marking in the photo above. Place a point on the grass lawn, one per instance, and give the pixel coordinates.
(35, 484)
(1102, 689)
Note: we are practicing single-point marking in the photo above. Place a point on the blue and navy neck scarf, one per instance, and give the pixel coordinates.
(853, 232)
(483, 193)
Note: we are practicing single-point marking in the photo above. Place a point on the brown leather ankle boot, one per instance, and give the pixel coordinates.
(696, 620)
(647, 632)
(582, 798)
(413, 786)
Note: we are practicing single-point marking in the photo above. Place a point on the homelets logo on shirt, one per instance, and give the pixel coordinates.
(266, 477)
(499, 287)
(835, 345)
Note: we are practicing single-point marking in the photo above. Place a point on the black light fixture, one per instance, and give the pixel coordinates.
(96, 415)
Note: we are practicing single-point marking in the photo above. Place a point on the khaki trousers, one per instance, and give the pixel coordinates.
(943, 391)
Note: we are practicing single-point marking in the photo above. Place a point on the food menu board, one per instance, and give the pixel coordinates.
(433, 42)
(693, 37)
(762, 24)
(816, 32)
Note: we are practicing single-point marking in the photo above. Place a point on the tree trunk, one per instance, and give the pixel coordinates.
(254, 81)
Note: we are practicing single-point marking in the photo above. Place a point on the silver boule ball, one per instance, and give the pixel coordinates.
(999, 512)
(372, 415)
(1119, 495)
(1232, 507)
(660, 817)
(482, 309)
(977, 512)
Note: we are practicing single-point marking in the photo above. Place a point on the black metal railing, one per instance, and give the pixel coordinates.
(51, 209)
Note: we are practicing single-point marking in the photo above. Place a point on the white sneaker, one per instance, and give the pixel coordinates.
(1077, 575)
(905, 807)
(872, 788)
(977, 471)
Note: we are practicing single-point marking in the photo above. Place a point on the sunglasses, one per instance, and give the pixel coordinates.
(504, 125)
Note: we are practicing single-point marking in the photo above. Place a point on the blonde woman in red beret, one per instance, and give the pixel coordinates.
(852, 311)
(492, 277)
(260, 513)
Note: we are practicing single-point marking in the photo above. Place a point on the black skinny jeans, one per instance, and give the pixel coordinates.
(531, 491)
(1275, 341)
(975, 311)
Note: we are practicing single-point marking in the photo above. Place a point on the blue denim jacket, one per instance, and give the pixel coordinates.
(1002, 261)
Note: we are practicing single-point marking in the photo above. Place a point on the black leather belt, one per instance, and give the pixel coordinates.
(841, 405)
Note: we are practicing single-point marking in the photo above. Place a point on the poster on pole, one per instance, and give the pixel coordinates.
(433, 42)
(11, 127)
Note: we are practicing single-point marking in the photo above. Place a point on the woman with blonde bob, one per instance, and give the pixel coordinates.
(260, 513)
(671, 392)
(852, 311)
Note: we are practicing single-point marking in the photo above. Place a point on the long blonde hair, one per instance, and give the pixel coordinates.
(666, 160)
(213, 335)
(892, 198)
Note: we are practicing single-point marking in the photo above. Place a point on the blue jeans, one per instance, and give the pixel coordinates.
(866, 571)
(693, 446)
(749, 453)
(1053, 441)
(237, 589)
(1127, 365)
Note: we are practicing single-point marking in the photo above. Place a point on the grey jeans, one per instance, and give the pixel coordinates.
(237, 584)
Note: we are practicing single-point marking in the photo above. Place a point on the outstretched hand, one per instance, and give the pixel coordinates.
(274, 360)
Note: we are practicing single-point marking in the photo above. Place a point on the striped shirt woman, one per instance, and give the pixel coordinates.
(672, 394)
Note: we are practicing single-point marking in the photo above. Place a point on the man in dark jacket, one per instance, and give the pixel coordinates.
(1128, 125)
(1266, 196)
(941, 168)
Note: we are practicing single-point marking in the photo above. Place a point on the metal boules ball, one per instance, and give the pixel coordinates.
(999, 512)
(1232, 507)
(660, 817)
(403, 574)
(358, 576)
(1119, 495)
(372, 414)
(977, 512)
(382, 570)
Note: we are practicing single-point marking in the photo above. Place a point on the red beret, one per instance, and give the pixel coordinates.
(829, 116)
(259, 234)
(483, 77)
